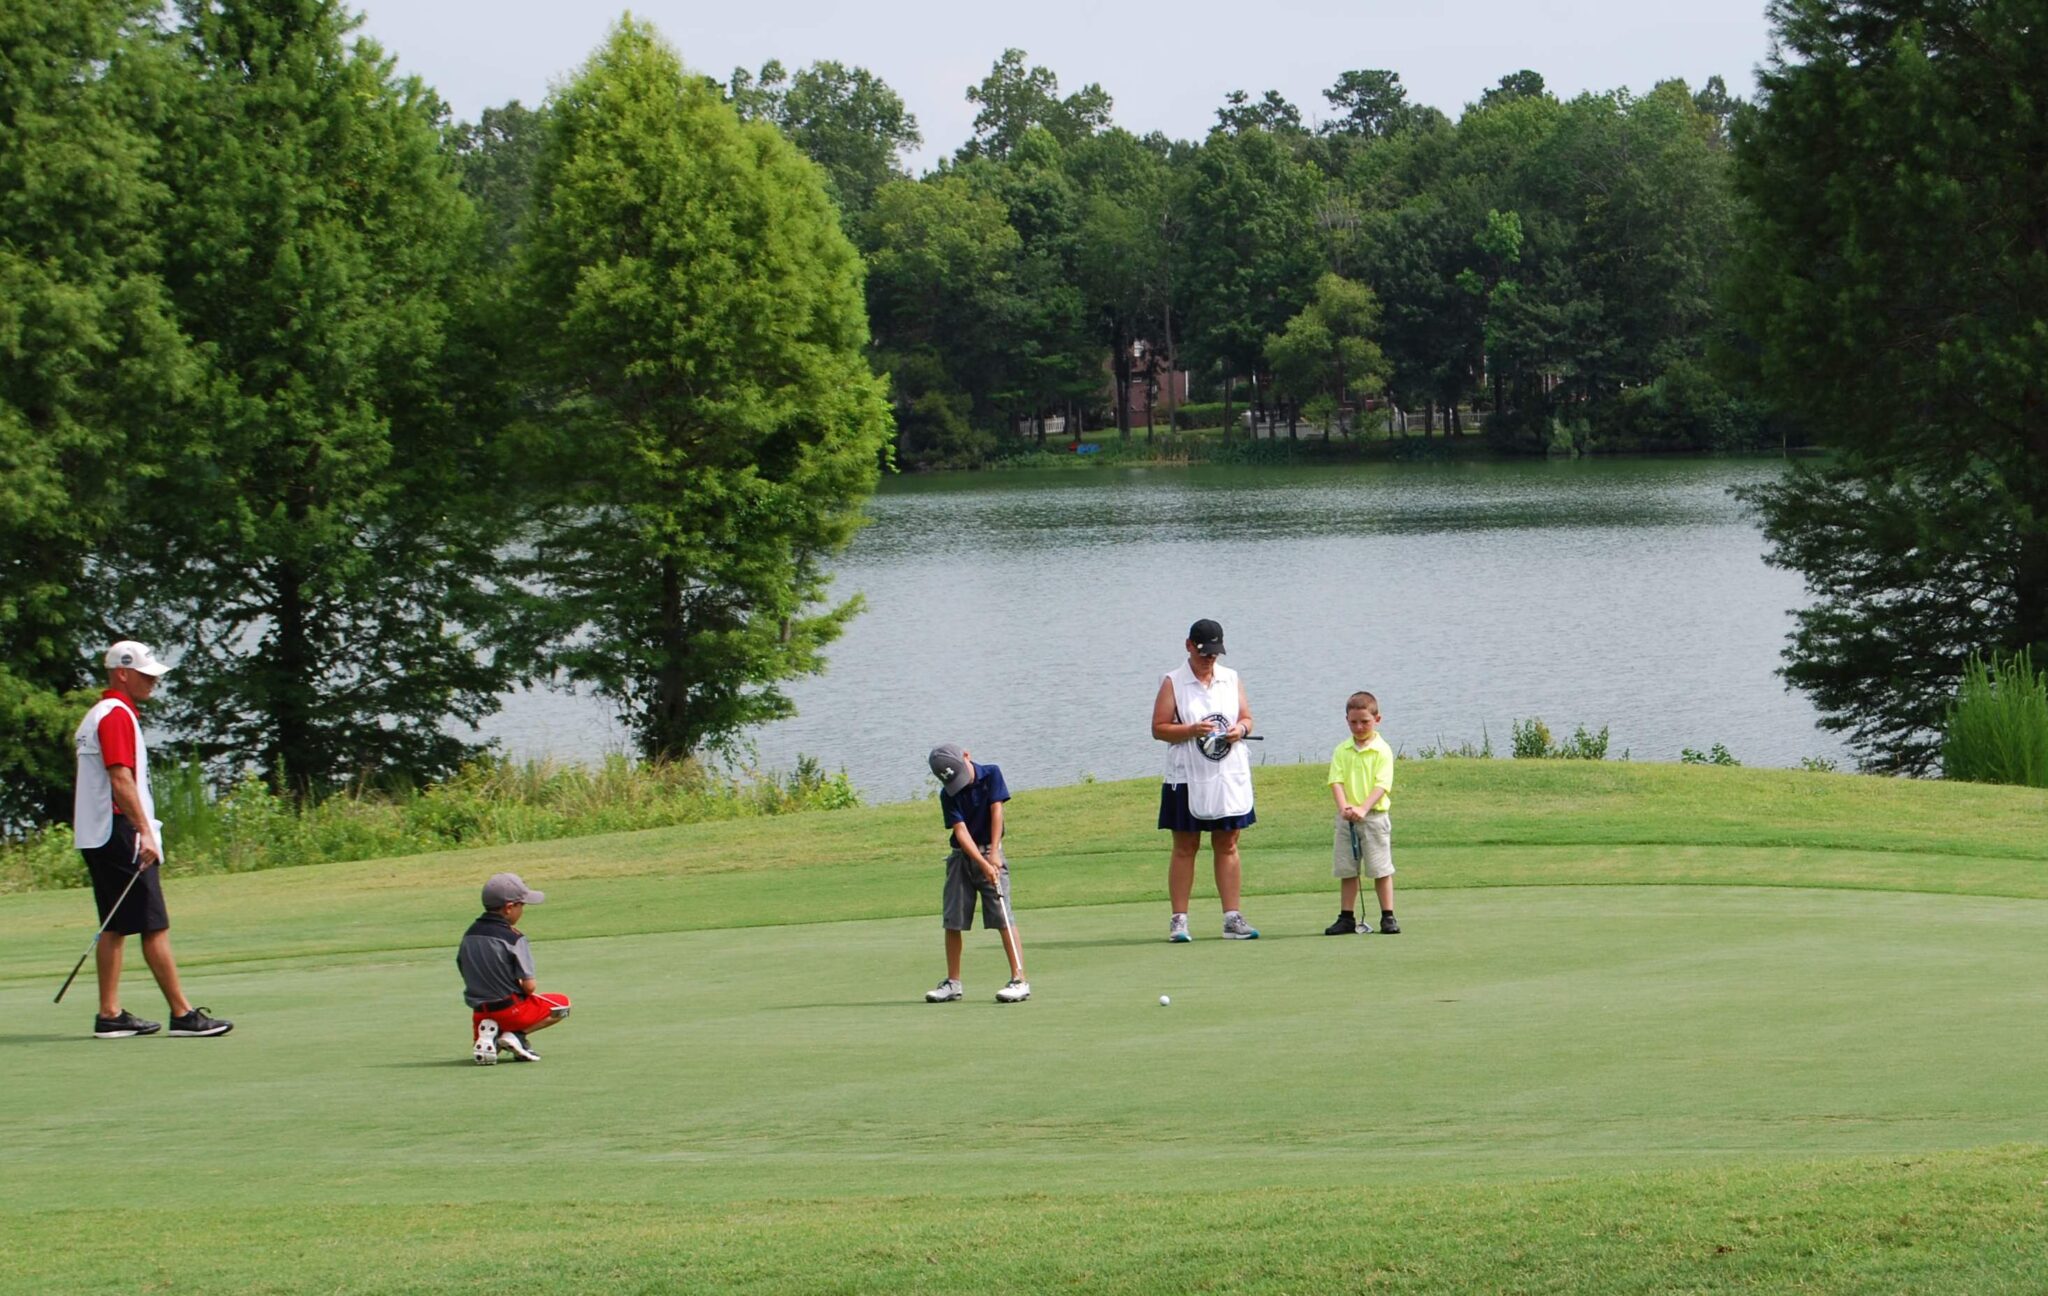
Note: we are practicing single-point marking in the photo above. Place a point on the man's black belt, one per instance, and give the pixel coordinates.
(500, 1005)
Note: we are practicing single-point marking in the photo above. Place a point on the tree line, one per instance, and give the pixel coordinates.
(1555, 263)
(377, 414)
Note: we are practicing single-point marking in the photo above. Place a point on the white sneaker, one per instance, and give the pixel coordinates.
(945, 992)
(1016, 992)
(1236, 928)
(516, 1044)
(1177, 929)
(486, 1052)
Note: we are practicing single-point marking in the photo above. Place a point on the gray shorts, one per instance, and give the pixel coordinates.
(1375, 845)
(964, 881)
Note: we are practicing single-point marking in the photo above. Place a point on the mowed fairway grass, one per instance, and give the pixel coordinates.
(1649, 1029)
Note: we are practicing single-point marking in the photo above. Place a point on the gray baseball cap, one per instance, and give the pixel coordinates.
(506, 888)
(949, 763)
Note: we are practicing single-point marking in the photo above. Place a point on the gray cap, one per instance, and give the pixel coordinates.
(949, 763)
(506, 888)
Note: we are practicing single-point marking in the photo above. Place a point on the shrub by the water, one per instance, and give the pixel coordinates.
(1997, 727)
(1532, 741)
(491, 802)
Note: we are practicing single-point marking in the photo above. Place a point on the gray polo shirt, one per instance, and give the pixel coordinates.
(494, 958)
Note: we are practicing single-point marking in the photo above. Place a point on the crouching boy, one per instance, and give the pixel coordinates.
(497, 976)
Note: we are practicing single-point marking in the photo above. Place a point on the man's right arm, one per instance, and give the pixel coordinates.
(128, 800)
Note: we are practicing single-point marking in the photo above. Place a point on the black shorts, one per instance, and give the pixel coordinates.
(110, 867)
(1175, 815)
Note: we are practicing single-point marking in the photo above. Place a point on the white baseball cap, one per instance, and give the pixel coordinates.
(136, 657)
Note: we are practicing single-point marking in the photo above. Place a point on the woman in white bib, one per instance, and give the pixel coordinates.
(1208, 786)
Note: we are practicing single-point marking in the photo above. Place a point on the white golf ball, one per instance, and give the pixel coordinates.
(1165, 1000)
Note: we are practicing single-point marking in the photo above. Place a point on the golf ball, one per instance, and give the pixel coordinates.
(1165, 1000)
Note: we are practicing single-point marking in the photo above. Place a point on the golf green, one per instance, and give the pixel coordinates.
(1601, 1048)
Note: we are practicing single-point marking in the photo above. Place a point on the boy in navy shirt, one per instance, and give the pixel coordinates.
(971, 798)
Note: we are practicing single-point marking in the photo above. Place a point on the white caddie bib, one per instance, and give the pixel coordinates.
(1217, 789)
(92, 809)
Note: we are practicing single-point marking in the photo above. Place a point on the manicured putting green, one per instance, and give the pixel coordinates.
(1507, 1033)
(1650, 1029)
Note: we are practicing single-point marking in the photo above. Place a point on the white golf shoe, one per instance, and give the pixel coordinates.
(1016, 992)
(1177, 929)
(486, 1051)
(515, 1044)
(944, 992)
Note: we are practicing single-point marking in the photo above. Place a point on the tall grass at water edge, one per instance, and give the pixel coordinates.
(486, 803)
(1997, 727)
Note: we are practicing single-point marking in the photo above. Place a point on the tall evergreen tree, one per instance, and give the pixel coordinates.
(309, 538)
(1895, 269)
(88, 356)
(701, 322)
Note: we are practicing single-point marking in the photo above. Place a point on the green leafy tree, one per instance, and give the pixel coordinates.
(89, 354)
(1892, 278)
(1253, 257)
(1271, 112)
(1122, 262)
(1328, 351)
(846, 119)
(312, 545)
(941, 269)
(1015, 97)
(1370, 102)
(496, 156)
(1515, 85)
(701, 324)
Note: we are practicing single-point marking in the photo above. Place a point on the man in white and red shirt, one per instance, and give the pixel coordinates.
(115, 825)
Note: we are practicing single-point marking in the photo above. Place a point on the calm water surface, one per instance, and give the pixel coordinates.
(1029, 617)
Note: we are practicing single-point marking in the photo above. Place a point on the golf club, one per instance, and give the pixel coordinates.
(1013, 946)
(103, 928)
(1358, 858)
(1216, 743)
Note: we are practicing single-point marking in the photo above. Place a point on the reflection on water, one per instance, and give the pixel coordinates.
(1029, 616)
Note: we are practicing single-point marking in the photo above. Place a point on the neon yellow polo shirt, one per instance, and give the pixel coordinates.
(1362, 771)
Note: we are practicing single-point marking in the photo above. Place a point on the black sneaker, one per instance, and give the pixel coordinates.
(1388, 926)
(1344, 926)
(123, 1026)
(197, 1024)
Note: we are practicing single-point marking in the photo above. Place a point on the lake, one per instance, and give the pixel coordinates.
(1028, 616)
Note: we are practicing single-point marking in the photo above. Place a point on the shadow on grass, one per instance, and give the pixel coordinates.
(45, 1039)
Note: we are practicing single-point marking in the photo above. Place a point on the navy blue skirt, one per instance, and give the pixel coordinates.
(1173, 813)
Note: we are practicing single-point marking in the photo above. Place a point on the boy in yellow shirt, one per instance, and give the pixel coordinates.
(1362, 782)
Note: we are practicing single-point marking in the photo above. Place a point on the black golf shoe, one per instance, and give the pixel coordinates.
(1344, 926)
(124, 1025)
(197, 1025)
(1389, 926)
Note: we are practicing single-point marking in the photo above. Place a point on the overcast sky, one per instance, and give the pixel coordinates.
(1167, 66)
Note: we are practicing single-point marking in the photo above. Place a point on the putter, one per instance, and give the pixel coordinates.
(1016, 942)
(1358, 858)
(103, 928)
